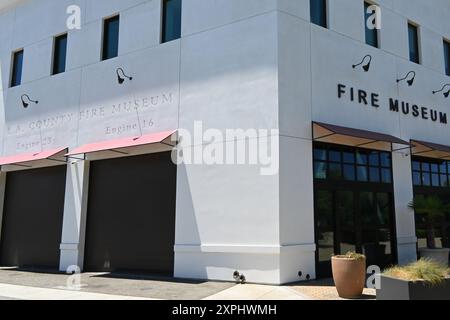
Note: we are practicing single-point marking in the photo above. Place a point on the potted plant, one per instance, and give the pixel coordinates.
(432, 208)
(422, 280)
(349, 274)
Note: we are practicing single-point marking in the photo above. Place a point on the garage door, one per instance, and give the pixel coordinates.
(131, 214)
(32, 217)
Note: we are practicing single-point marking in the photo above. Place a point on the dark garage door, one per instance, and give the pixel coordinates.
(32, 219)
(131, 214)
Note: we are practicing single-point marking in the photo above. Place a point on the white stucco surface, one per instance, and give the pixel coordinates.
(239, 64)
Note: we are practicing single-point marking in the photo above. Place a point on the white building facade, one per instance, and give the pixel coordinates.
(88, 177)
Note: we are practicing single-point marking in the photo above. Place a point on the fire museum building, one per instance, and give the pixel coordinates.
(95, 96)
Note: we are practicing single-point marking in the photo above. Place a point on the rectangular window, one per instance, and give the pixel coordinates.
(413, 35)
(171, 29)
(59, 54)
(430, 173)
(348, 164)
(318, 10)
(110, 38)
(371, 34)
(447, 57)
(17, 63)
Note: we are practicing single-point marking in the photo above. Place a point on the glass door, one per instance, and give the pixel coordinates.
(359, 221)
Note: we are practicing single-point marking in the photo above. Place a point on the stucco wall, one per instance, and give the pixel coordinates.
(239, 64)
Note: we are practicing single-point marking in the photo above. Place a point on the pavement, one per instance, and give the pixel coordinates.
(40, 285)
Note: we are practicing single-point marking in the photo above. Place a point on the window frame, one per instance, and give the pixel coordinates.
(367, 4)
(447, 56)
(12, 78)
(55, 42)
(416, 27)
(164, 38)
(356, 163)
(427, 170)
(105, 42)
(324, 11)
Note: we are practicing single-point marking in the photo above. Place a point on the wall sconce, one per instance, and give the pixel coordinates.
(26, 100)
(446, 94)
(366, 67)
(121, 76)
(410, 81)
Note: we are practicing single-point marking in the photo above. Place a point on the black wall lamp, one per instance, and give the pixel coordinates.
(446, 94)
(121, 76)
(366, 67)
(26, 100)
(410, 81)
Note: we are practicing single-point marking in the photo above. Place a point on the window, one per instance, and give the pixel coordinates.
(59, 54)
(431, 173)
(171, 29)
(111, 38)
(17, 63)
(413, 34)
(371, 34)
(350, 164)
(447, 57)
(318, 10)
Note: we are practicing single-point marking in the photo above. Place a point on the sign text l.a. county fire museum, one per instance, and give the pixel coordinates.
(395, 105)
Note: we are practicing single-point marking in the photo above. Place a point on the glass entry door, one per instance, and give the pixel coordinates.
(360, 221)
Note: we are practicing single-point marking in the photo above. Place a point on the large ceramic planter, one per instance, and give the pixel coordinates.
(438, 255)
(396, 289)
(349, 276)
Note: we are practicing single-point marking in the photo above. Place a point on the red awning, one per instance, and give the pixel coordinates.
(31, 159)
(124, 144)
(354, 137)
(430, 150)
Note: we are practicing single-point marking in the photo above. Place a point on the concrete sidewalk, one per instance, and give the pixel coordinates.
(33, 285)
(10, 291)
(238, 292)
(258, 292)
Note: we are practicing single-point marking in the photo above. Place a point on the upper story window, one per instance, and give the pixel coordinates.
(351, 164)
(447, 57)
(431, 173)
(59, 54)
(111, 38)
(372, 37)
(17, 63)
(414, 45)
(318, 10)
(171, 29)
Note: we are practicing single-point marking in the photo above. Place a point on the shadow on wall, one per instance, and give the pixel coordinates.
(186, 228)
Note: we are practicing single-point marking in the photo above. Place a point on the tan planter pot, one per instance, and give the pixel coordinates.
(349, 276)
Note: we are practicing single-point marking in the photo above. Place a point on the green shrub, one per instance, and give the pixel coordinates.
(352, 256)
(425, 270)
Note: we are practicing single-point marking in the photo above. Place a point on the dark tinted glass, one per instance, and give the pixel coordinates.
(349, 172)
(319, 12)
(371, 34)
(413, 35)
(171, 20)
(59, 54)
(320, 154)
(447, 57)
(344, 208)
(111, 38)
(16, 76)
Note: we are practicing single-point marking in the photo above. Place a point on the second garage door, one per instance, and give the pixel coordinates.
(131, 214)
